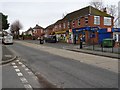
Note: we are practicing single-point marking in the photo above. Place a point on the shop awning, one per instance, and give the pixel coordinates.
(60, 32)
(78, 30)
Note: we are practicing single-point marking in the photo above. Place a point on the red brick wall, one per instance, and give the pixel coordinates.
(38, 32)
(91, 22)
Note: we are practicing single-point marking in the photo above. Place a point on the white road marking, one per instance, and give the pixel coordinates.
(13, 63)
(15, 66)
(26, 69)
(24, 80)
(30, 73)
(17, 60)
(20, 63)
(20, 74)
(17, 70)
(23, 65)
(28, 86)
(34, 77)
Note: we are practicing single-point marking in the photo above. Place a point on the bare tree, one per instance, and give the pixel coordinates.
(15, 27)
(98, 4)
(112, 9)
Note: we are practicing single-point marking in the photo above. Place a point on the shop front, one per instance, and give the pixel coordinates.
(104, 33)
(86, 34)
(116, 36)
(61, 35)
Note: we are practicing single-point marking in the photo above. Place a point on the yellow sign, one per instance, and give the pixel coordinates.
(60, 32)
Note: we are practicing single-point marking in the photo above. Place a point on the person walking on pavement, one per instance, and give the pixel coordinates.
(41, 40)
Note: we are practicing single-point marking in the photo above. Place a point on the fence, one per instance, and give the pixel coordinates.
(99, 47)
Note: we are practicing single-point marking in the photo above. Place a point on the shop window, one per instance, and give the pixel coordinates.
(92, 34)
(97, 20)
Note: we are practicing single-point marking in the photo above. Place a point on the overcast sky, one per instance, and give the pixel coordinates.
(42, 12)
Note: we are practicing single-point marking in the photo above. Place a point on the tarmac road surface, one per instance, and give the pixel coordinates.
(65, 72)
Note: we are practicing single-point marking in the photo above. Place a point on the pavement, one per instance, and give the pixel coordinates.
(7, 55)
(99, 53)
(107, 52)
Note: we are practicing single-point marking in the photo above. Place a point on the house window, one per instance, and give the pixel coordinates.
(86, 20)
(73, 23)
(56, 27)
(68, 24)
(97, 20)
(107, 21)
(79, 22)
(64, 26)
(59, 26)
(41, 31)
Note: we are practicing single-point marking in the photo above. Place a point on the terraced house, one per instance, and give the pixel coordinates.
(83, 23)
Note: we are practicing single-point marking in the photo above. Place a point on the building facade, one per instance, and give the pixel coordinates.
(78, 24)
(38, 31)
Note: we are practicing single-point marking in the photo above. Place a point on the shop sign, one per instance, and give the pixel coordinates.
(109, 30)
(70, 30)
(116, 29)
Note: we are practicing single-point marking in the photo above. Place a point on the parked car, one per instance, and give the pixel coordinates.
(50, 39)
(8, 39)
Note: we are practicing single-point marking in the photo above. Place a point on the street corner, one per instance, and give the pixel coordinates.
(7, 55)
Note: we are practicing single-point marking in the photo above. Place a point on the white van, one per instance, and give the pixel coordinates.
(8, 39)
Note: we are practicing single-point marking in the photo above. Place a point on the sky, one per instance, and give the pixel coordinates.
(41, 12)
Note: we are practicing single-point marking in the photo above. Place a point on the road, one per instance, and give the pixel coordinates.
(16, 75)
(65, 72)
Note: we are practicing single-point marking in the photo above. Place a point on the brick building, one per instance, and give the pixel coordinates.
(79, 24)
(38, 31)
(29, 31)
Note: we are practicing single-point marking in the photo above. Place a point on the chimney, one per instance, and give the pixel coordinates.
(105, 10)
